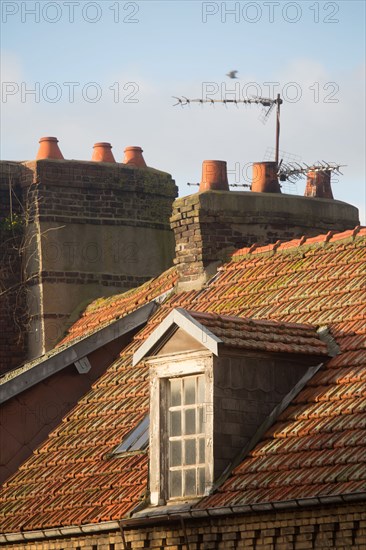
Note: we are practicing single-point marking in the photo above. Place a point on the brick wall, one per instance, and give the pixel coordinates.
(102, 193)
(207, 226)
(336, 527)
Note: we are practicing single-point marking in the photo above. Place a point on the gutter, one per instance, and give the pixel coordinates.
(192, 514)
(60, 532)
(295, 504)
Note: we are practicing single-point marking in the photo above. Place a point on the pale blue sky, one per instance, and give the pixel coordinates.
(169, 50)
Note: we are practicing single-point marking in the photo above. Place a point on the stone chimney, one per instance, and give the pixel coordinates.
(209, 225)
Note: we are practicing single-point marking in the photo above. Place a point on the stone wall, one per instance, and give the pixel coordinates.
(208, 226)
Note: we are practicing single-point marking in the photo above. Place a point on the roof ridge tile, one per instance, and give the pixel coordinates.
(332, 235)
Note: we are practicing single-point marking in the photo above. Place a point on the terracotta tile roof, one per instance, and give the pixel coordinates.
(104, 310)
(263, 335)
(317, 445)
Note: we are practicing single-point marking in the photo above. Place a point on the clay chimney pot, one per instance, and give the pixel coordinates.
(102, 152)
(133, 157)
(318, 184)
(265, 179)
(48, 149)
(214, 176)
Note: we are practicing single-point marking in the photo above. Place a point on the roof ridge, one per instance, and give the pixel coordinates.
(358, 231)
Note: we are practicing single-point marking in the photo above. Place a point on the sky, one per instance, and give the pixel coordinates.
(87, 71)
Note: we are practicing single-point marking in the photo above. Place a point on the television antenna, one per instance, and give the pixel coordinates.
(292, 172)
(268, 105)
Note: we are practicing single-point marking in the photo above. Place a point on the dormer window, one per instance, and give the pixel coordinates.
(214, 382)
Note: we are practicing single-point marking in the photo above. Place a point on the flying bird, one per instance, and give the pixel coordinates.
(232, 74)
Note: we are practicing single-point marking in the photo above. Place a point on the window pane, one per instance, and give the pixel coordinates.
(200, 420)
(190, 451)
(176, 484)
(190, 390)
(175, 453)
(190, 421)
(175, 393)
(201, 481)
(201, 389)
(175, 423)
(142, 442)
(201, 457)
(137, 439)
(189, 482)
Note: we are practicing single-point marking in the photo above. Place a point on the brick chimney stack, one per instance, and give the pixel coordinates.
(94, 228)
(209, 225)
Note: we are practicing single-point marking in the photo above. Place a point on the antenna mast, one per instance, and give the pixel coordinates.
(278, 103)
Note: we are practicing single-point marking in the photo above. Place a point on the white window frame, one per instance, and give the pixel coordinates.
(162, 369)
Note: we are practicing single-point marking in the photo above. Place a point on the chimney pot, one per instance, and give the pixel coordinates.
(265, 179)
(102, 152)
(48, 149)
(318, 184)
(214, 176)
(133, 157)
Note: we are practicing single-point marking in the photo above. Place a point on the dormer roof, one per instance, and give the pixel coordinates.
(212, 331)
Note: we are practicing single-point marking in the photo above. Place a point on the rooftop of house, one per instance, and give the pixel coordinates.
(315, 448)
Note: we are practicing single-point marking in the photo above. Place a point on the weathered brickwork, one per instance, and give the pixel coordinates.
(91, 230)
(338, 528)
(99, 193)
(208, 226)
